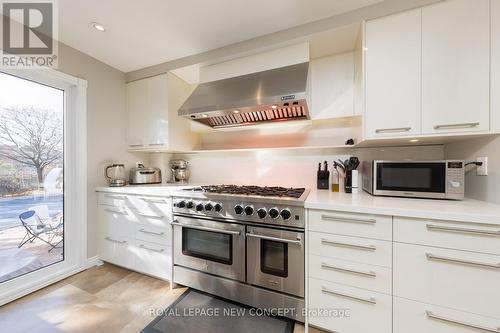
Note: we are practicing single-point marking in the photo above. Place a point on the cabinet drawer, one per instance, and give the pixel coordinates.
(455, 235)
(153, 259)
(368, 251)
(112, 199)
(115, 221)
(145, 204)
(350, 224)
(415, 317)
(462, 280)
(350, 273)
(357, 310)
(116, 250)
(158, 235)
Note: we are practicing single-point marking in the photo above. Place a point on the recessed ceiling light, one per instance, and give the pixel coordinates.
(98, 26)
(204, 115)
(414, 140)
(274, 106)
(236, 111)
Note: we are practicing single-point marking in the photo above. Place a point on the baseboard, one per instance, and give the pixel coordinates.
(93, 261)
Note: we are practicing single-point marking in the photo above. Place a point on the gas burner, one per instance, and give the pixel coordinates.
(264, 191)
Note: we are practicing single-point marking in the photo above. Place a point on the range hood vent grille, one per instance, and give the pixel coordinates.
(269, 96)
(298, 112)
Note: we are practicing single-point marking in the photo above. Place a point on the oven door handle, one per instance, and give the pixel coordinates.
(197, 227)
(276, 239)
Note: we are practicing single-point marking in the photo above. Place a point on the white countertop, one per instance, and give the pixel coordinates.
(467, 210)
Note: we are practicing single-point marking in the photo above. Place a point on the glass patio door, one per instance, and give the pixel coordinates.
(32, 167)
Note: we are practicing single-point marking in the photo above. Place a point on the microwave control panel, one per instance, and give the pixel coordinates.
(455, 177)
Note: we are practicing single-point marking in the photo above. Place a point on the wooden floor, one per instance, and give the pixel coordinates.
(106, 299)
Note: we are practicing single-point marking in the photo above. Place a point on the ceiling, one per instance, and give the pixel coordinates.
(149, 32)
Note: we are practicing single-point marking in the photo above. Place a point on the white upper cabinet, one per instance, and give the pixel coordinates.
(332, 86)
(495, 66)
(152, 106)
(393, 81)
(456, 66)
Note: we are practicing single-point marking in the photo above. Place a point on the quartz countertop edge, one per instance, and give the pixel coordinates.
(467, 210)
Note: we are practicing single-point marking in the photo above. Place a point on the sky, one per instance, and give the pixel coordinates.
(15, 91)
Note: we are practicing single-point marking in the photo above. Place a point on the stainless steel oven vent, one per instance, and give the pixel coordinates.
(269, 96)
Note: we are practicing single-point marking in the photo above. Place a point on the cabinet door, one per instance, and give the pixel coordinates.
(495, 66)
(157, 112)
(332, 87)
(393, 79)
(455, 66)
(137, 103)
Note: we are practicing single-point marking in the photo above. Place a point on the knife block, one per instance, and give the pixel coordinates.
(323, 180)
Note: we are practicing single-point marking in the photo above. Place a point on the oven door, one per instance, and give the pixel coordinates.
(210, 246)
(275, 259)
(410, 179)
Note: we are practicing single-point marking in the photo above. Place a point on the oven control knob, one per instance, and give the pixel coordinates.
(286, 214)
(238, 209)
(181, 204)
(209, 207)
(274, 213)
(262, 213)
(199, 207)
(190, 205)
(249, 210)
(218, 207)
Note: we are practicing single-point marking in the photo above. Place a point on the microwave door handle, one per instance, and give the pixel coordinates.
(197, 227)
(276, 239)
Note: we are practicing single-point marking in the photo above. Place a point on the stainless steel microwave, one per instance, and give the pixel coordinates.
(418, 179)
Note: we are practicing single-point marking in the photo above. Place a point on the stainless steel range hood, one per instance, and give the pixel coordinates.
(270, 96)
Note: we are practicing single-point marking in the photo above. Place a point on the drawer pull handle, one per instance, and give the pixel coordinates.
(445, 126)
(115, 241)
(114, 196)
(155, 144)
(347, 270)
(122, 212)
(142, 246)
(152, 232)
(150, 216)
(136, 145)
(347, 219)
(461, 323)
(354, 246)
(430, 256)
(464, 230)
(391, 130)
(154, 200)
(327, 291)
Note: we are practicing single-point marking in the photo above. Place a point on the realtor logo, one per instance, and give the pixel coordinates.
(28, 34)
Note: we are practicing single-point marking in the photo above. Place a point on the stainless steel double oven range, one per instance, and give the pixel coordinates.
(244, 243)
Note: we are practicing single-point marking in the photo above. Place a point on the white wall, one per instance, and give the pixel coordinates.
(106, 123)
(286, 167)
(485, 188)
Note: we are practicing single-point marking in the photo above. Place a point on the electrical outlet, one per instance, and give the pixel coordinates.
(483, 169)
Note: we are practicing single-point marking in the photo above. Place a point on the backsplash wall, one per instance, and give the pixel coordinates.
(282, 167)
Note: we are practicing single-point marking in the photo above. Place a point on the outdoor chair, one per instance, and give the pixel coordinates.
(36, 229)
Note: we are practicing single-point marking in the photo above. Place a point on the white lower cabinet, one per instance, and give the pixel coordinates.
(416, 317)
(466, 281)
(351, 273)
(134, 232)
(117, 250)
(153, 259)
(340, 308)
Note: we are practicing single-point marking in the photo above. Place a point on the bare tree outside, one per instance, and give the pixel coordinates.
(31, 136)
